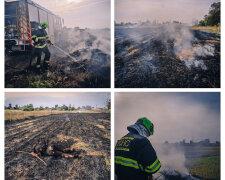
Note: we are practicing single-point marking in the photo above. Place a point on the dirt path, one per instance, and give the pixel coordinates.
(89, 133)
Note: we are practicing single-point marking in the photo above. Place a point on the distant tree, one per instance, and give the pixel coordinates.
(16, 106)
(28, 107)
(201, 23)
(108, 104)
(64, 108)
(213, 17)
(41, 108)
(10, 106)
(87, 107)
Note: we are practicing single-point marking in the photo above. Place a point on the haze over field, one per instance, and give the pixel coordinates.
(82, 13)
(161, 10)
(176, 116)
(51, 99)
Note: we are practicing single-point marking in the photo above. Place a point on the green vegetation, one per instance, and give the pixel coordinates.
(207, 167)
(210, 29)
(213, 17)
(28, 107)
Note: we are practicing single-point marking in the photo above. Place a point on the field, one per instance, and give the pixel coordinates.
(207, 167)
(210, 29)
(19, 114)
(86, 134)
(204, 162)
(166, 56)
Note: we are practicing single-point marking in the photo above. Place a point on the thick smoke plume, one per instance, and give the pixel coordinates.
(89, 47)
(171, 158)
(178, 40)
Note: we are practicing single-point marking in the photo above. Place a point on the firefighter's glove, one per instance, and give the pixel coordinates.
(49, 42)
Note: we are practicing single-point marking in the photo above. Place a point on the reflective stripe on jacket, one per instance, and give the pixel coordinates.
(39, 37)
(135, 158)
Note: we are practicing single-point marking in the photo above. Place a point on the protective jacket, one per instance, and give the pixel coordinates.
(135, 158)
(40, 38)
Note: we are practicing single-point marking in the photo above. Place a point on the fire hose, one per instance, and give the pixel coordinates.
(66, 53)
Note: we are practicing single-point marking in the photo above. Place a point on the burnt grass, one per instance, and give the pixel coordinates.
(92, 72)
(87, 135)
(163, 69)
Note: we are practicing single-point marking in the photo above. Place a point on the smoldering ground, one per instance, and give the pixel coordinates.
(168, 55)
(176, 116)
(80, 58)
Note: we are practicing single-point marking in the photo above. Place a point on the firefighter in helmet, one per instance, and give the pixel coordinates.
(135, 158)
(40, 39)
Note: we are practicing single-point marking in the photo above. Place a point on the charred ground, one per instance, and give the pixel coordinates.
(170, 56)
(88, 135)
(89, 68)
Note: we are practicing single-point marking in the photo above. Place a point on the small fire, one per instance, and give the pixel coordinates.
(186, 54)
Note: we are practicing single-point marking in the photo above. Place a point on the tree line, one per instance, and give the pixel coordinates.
(30, 107)
(213, 17)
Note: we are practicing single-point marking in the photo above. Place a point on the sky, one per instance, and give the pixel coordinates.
(161, 10)
(80, 13)
(51, 99)
(176, 116)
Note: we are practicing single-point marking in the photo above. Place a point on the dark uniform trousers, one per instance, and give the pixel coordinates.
(135, 158)
(37, 52)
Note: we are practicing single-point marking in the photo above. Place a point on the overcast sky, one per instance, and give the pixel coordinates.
(176, 116)
(82, 13)
(51, 99)
(161, 10)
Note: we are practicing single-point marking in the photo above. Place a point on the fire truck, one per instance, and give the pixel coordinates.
(22, 17)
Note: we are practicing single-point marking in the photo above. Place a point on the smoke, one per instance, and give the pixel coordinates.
(72, 39)
(89, 47)
(67, 119)
(171, 158)
(176, 116)
(184, 48)
(176, 40)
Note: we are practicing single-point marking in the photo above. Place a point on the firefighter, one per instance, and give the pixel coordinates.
(40, 39)
(135, 158)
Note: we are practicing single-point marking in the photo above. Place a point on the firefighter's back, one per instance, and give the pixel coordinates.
(127, 156)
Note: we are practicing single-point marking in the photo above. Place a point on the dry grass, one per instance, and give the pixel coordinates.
(211, 29)
(19, 114)
(129, 48)
(132, 52)
(144, 42)
(96, 111)
(207, 168)
(78, 145)
(186, 55)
